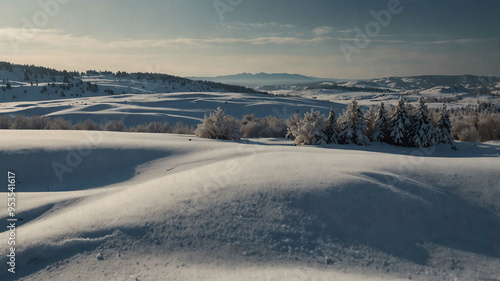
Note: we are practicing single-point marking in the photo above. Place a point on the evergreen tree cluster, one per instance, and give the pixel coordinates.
(32, 71)
(406, 126)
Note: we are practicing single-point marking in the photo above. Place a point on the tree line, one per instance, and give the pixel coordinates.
(402, 125)
(397, 127)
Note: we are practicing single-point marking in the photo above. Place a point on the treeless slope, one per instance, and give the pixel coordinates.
(185, 209)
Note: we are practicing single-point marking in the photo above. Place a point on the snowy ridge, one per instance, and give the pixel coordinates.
(30, 83)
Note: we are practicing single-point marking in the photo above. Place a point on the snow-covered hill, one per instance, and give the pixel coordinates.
(27, 83)
(261, 79)
(431, 81)
(188, 108)
(134, 206)
(435, 97)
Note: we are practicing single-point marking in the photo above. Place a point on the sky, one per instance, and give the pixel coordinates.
(324, 38)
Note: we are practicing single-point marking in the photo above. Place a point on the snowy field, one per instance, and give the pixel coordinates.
(139, 101)
(132, 206)
(188, 108)
(374, 98)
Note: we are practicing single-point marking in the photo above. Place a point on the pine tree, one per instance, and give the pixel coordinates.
(347, 127)
(353, 125)
(360, 127)
(380, 133)
(400, 125)
(444, 128)
(370, 117)
(331, 131)
(423, 131)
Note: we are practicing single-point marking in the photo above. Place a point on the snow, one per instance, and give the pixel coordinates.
(134, 206)
(186, 208)
(189, 107)
(368, 98)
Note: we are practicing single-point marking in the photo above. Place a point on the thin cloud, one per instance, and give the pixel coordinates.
(457, 41)
(60, 40)
(255, 25)
(323, 30)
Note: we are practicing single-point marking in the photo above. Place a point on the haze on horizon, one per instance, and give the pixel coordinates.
(220, 37)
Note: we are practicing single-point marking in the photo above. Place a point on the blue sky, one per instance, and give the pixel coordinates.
(219, 37)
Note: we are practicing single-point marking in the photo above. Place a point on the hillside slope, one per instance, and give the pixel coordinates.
(181, 208)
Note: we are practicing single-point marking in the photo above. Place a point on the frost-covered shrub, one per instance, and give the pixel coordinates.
(292, 124)
(267, 127)
(468, 134)
(182, 129)
(60, 124)
(39, 122)
(157, 127)
(276, 126)
(459, 123)
(251, 126)
(218, 125)
(5, 121)
(310, 130)
(485, 125)
(141, 128)
(488, 127)
(115, 126)
(87, 125)
(153, 127)
(21, 122)
(33, 123)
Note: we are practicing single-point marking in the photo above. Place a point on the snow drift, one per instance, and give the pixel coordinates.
(158, 207)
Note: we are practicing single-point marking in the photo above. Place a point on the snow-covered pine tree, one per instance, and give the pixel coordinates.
(380, 133)
(310, 130)
(399, 132)
(423, 130)
(345, 128)
(332, 131)
(360, 126)
(346, 125)
(370, 117)
(444, 128)
(353, 125)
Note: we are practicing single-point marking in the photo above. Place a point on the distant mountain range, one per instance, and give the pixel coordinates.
(274, 81)
(430, 81)
(262, 79)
